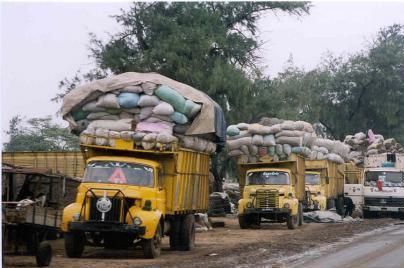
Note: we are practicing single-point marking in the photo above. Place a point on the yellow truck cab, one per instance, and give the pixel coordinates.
(331, 184)
(315, 192)
(272, 192)
(131, 196)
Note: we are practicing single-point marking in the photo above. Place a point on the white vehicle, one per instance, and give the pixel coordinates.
(383, 184)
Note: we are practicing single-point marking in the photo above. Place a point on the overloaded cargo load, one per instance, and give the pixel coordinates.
(150, 109)
(362, 145)
(278, 139)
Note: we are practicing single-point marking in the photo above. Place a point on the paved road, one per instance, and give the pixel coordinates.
(382, 250)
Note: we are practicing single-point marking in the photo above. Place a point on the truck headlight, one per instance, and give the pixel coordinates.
(286, 205)
(76, 216)
(249, 205)
(137, 221)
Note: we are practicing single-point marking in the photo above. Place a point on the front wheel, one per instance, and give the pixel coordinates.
(152, 247)
(244, 221)
(44, 254)
(291, 221)
(74, 244)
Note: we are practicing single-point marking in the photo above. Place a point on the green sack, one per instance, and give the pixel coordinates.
(232, 130)
(179, 118)
(271, 150)
(171, 96)
(79, 115)
(191, 109)
(113, 111)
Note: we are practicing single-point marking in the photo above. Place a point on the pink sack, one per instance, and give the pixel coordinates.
(371, 136)
(147, 127)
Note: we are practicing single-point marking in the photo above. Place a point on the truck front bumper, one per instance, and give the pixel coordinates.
(96, 226)
(264, 211)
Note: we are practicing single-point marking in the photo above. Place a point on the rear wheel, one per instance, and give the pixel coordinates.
(74, 244)
(339, 204)
(152, 247)
(291, 221)
(175, 233)
(44, 254)
(300, 215)
(187, 233)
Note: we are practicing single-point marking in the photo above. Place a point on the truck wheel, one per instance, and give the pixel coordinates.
(187, 233)
(291, 221)
(300, 215)
(44, 254)
(340, 206)
(367, 214)
(74, 244)
(244, 221)
(175, 233)
(152, 247)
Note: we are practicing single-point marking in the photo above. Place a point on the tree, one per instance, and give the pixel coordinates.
(39, 134)
(211, 46)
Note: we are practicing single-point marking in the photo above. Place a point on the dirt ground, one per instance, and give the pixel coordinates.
(222, 247)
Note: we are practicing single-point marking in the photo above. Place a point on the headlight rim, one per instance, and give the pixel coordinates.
(137, 221)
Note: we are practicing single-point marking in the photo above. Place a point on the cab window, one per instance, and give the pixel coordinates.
(268, 177)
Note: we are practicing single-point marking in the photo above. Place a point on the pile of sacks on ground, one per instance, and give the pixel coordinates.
(361, 145)
(279, 138)
(152, 115)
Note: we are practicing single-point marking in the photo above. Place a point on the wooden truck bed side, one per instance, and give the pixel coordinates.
(334, 175)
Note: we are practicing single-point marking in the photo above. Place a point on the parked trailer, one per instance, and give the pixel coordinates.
(131, 195)
(32, 201)
(70, 164)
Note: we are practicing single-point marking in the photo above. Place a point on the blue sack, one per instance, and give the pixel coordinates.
(128, 100)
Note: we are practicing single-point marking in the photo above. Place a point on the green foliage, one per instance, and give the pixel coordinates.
(209, 45)
(39, 134)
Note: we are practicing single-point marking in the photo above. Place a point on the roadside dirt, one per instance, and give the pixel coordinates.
(222, 247)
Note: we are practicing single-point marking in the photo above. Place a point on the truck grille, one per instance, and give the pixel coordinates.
(113, 215)
(384, 202)
(267, 198)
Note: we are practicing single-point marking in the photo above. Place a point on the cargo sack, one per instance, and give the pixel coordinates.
(108, 101)
(132, 89)
(145, 112)
(171, 96)
(127, 135)
(275, 129)
(335, 158)
(270, 121)
(82, 124)
(102, 132)
(279, 149)
(154, 128)
(128, 100)
(302, 151)
(232, 130)
(242, 134)
(179, 118)
(234, 153)
(271, 150)
(138, 136)
(236, 144)
(258, 140)
(320, 155)
(158, 118)
(166, 138)
(98, 115)
(181, 129)
(269, 140)
(101, 141)
(360, 136)
(313, 155)
(244, 149)
(149, 88)
(372, 151)
(163, 108)
(79, 115)
(191, 109)
(389, 143)
(87, 136)
(126, 115)
(258, 129)
(116, 125)
(242, 126)
(132, 111)
(253, 149)
(146, 100)
(292, 141)
(329, 144)
(93, 107)
(287, 149)
(290, 133)
(211, 147)
(262, 151)
(114, 134)
(252, 159)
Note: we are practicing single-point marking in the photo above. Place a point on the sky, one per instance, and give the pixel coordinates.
(42, 43)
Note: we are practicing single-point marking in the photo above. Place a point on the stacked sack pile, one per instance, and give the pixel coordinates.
(361, 146)
(152, 115)
(279, 138)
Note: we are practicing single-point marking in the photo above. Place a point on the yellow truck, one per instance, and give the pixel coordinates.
(131, 196)
(272, 192)
(324, 186)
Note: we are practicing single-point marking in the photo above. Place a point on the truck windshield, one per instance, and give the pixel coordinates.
(268, 177)
(312, 179)
(388, 178)
(119, 173)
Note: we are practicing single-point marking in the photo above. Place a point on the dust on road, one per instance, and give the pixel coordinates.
(224, 247)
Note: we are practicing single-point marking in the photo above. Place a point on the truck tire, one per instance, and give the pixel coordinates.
(291, 221)
(152, 247)
(339, 205)
(74, 244)
(244, 221)
(175, 233)
(300, 215)
(367, 214)
(187, 233)
(44, 254)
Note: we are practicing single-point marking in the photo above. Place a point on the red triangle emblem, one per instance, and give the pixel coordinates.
(118, 176)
